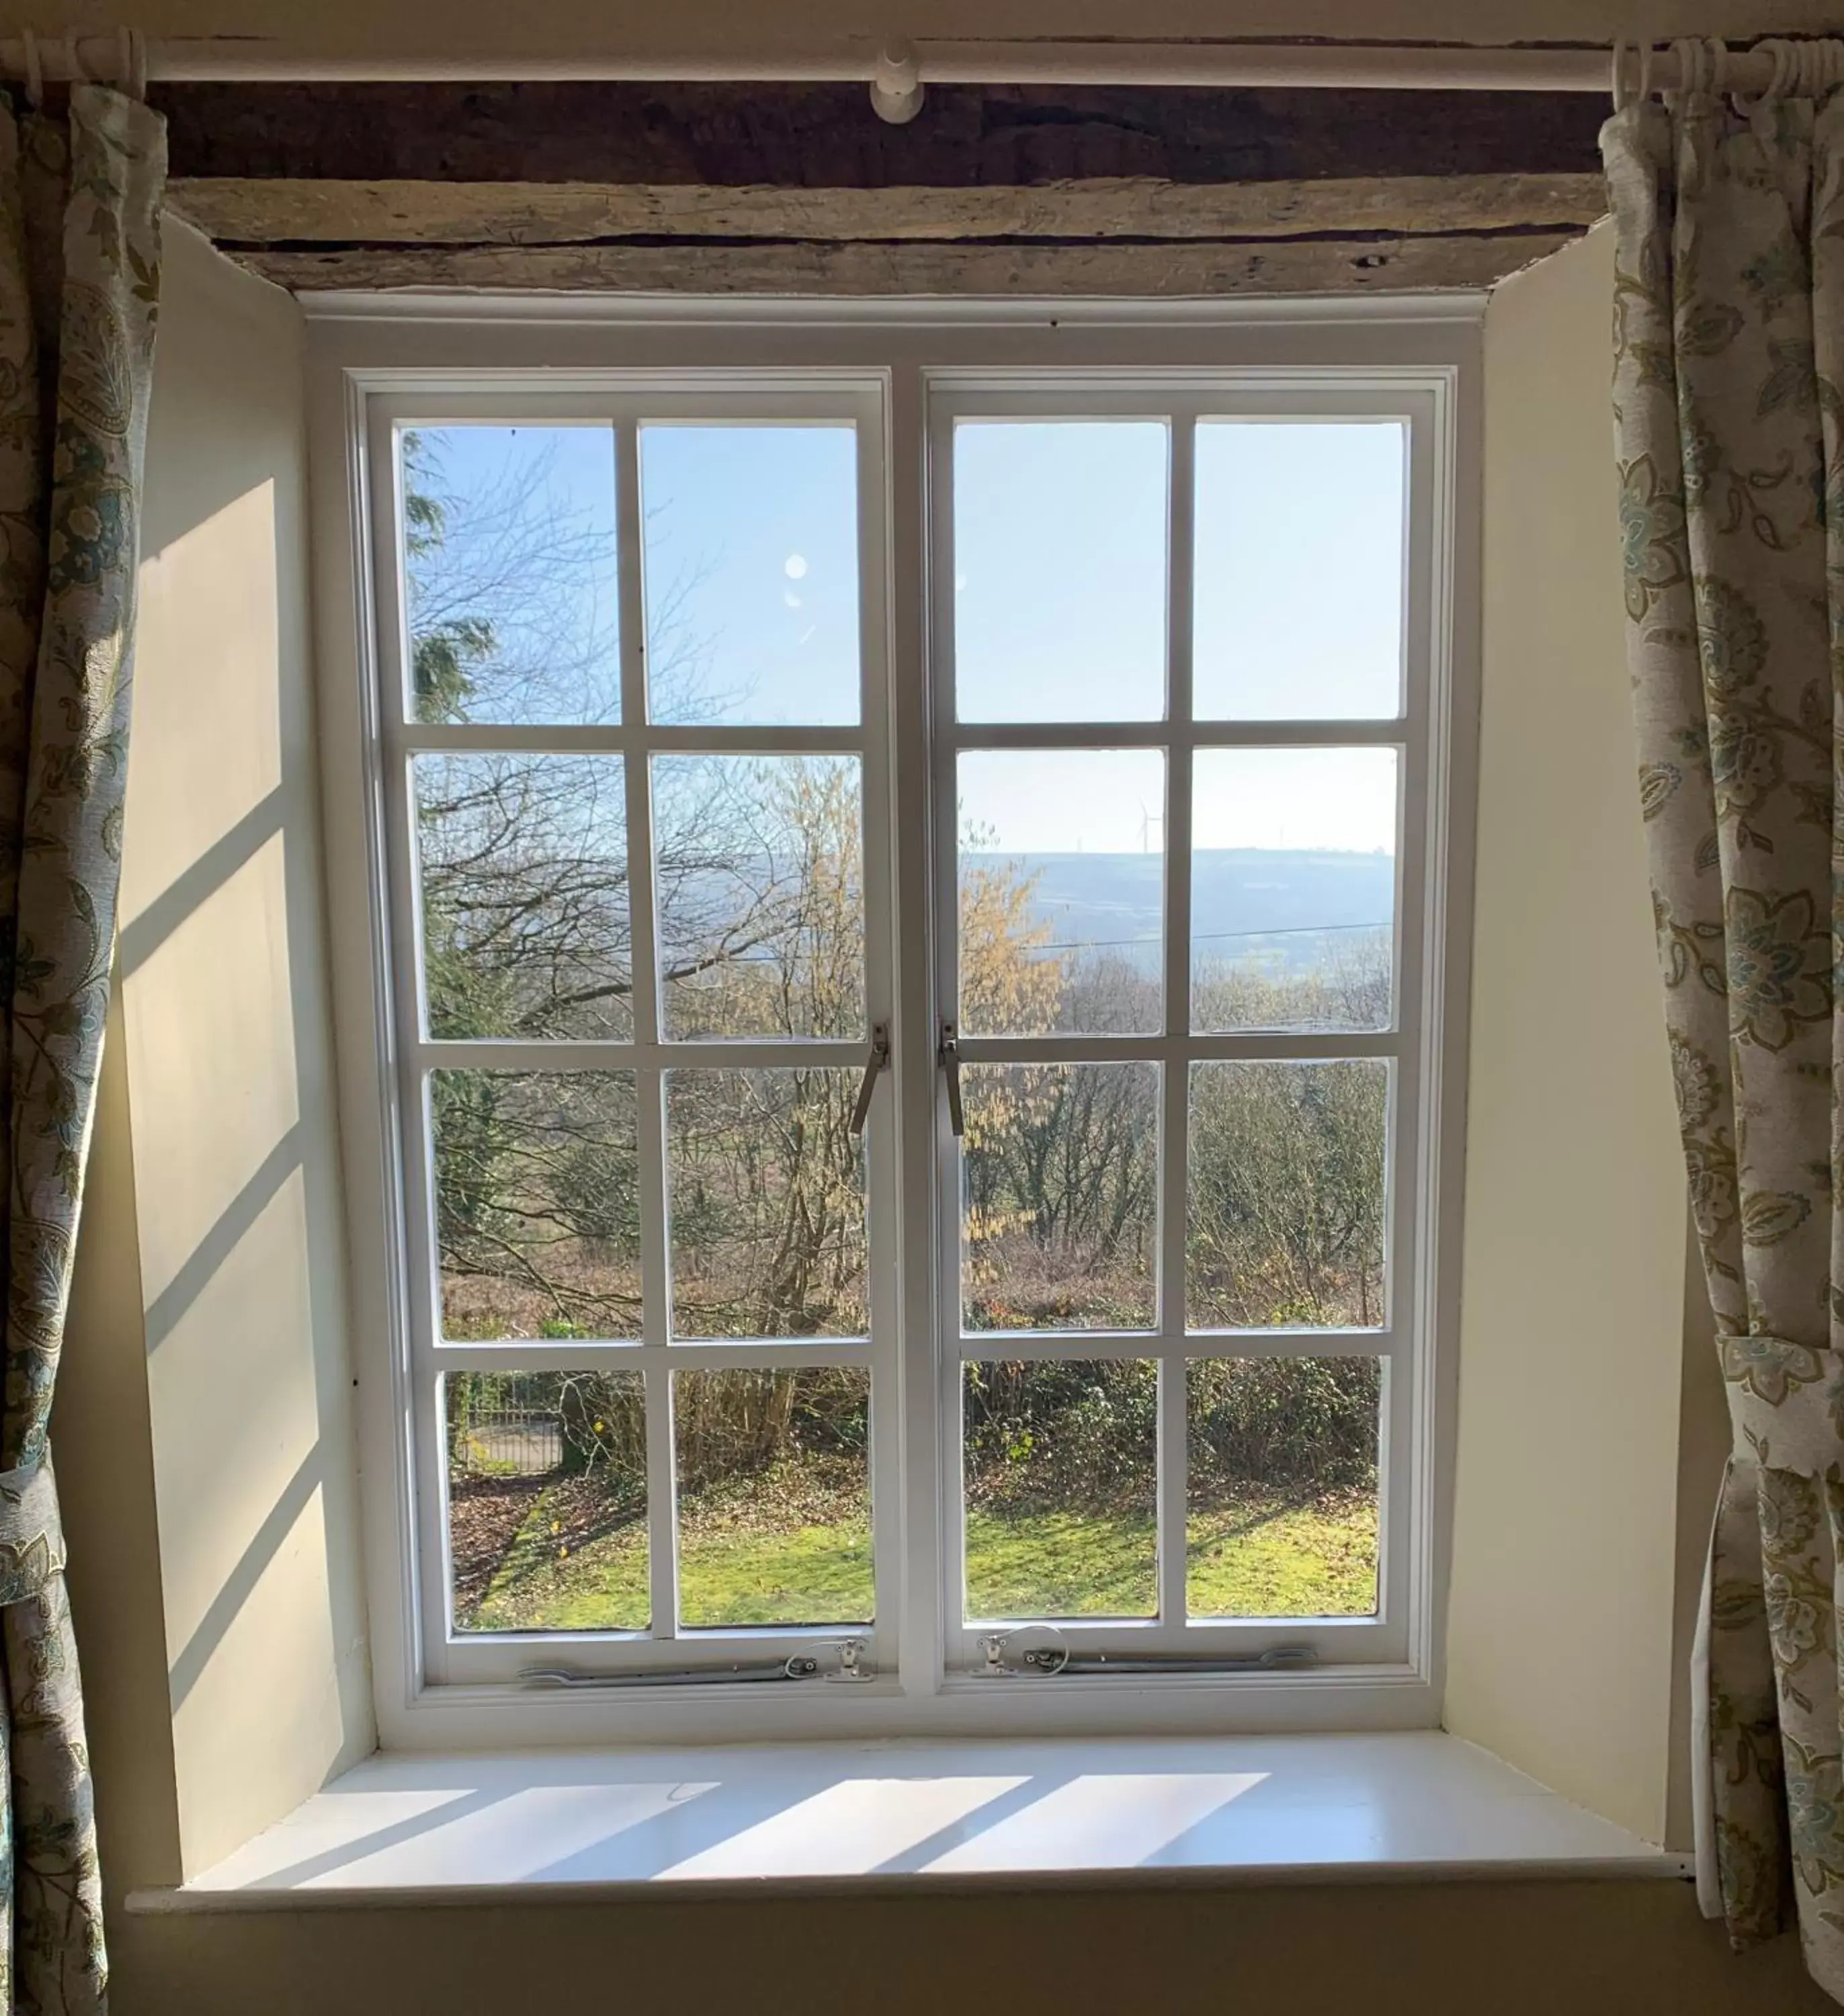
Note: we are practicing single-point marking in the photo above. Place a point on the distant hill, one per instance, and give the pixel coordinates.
(1280, 906)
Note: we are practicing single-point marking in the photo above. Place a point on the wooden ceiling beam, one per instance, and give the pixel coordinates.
(825, 135)
(794, 188)
(1145, 271)
(250, 211)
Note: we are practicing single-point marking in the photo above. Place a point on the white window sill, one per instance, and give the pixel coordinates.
(404, 1828)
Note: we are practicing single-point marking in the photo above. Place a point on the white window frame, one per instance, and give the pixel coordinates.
(1185, 402)
(620, 406)
(900, 368)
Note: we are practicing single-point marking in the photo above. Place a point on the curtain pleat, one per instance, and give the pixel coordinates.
(1729, 373)
(79, 286)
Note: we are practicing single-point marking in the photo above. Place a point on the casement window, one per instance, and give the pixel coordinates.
(909, 923)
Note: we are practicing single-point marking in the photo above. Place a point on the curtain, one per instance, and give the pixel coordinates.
(1729, 397)
(79, 282)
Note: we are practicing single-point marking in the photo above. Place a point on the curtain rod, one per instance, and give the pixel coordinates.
(897, 73)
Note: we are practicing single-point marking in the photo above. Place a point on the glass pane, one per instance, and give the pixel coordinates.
(751, 572)
(1281, 1487)
(1059, 570)
(758, 868)
(1059, 1196)
(1298, 597)
(509, 563)
(547, 1500)
(1061, 1468)
(1062, 891)
(523, 862)
(1286, 1194)
(767, 1205)
(1293, 888)
(774, 1496)
(537, 1204)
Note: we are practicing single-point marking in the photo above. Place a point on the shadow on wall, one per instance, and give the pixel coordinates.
(212, 1225)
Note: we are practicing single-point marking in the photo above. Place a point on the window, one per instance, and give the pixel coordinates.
(909, 956)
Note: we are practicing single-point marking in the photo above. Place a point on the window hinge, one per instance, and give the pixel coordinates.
(838, 1659)
(877, 1061)
(1041, 1651)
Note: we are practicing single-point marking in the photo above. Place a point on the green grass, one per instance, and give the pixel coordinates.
(1314, 1560)
(1060, 1564)
(734, 1567)
(1251, 1559)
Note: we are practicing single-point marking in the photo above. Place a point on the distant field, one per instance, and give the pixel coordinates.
(1279, 906)
(739, 1565)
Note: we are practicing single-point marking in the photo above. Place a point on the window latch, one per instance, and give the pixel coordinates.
(876, 1062)
(1041, 1651)
(948, 1054)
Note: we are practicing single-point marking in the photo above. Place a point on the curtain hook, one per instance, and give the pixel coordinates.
(35, 69)
(1645, 71)
(1621, 101)
(1786, 73)
(1693, 70)
(1719, 66)
(131, 51)
(1817, 67)
(1789, 71)
(73, 60)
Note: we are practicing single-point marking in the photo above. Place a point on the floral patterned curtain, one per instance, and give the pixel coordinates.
(1729, 399)
(79, 283)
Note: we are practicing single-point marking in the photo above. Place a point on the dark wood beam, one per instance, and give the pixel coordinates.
(826, 136)
(274, 211)
(1149, 271)
(800, 189)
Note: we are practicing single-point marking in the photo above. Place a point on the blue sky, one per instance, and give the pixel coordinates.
(1060, 565)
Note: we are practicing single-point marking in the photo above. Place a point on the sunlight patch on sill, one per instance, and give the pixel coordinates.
(406, 1828)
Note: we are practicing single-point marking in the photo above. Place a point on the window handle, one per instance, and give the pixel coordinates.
(879, 1057)
(947, 1056)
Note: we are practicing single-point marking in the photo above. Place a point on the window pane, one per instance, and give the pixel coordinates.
(1059, 1196)
(1059, 570)
(1281, 1485)
(1062, 881)
(1298, 597)
(759, 867)
(751, 572)
(774, 1496)
(767, 1205)
(524, 866)
(1061, 1466)
(1286, 1194)
(537, 1205)
(1293, 888)
(508, 562)
(547, 1500)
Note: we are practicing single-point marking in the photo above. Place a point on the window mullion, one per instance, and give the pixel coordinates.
(1176, 1071)
(649, 1089)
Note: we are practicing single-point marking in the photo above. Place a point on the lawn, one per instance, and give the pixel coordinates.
(1251, 1558)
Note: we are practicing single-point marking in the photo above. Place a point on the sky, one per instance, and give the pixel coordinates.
(749, 575)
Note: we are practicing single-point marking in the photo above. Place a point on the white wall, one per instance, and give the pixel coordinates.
(1560, 1650)
(213, 1269)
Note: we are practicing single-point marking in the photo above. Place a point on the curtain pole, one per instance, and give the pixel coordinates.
(894, 69)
